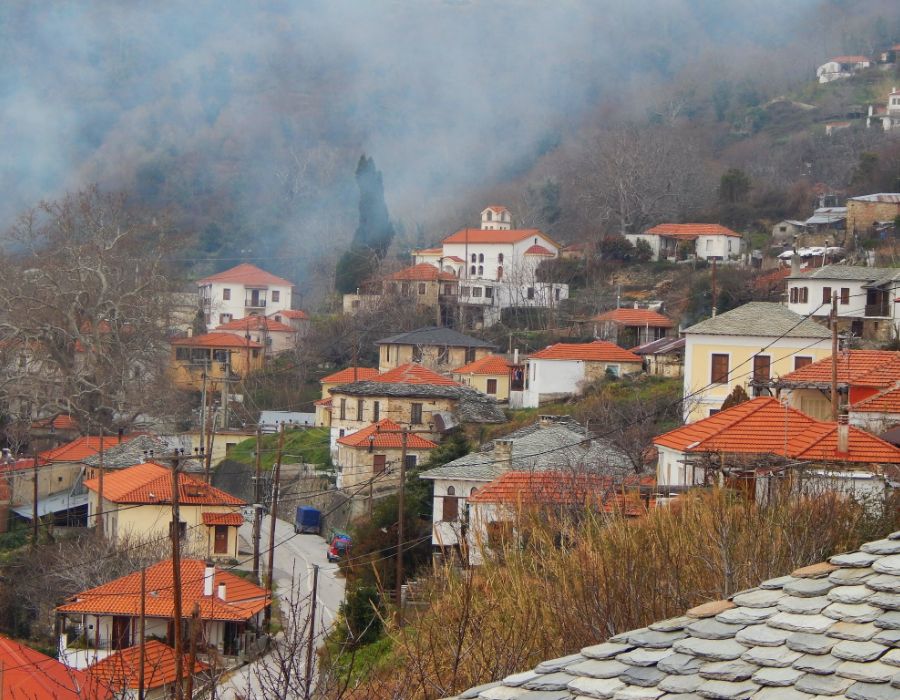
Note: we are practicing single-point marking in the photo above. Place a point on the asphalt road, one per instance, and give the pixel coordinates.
(295, 556)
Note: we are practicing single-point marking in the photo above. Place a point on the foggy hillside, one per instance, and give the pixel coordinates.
(246, 120)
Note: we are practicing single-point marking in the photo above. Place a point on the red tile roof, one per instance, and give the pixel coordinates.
(122, 669)
(255, 323)
(766, 426)
(423, 272)
(216, 340)
(79, 448)
(850, 59)
(560, 488)
(489, 364)
(692, 230)
(322, 402)
(294, 314)
(636, 317)
(30, 675)
(497, 208)
(885, 402)
(428, 251)
(413, 373)
(152, 483)
(60, 421)
(350, 374)
(538, 250)
(385, 440)
(247, 274)
(231, 519)
(872, 368)
(478, 236)
(597, 351)
(122, 596)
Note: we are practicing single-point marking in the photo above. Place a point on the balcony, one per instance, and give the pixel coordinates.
(880, 310)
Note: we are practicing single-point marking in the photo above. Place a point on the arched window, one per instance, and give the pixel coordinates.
(473, 490)
(489, 216)
(500, 272)
(473, 269)
(474, 257)
(451, 491)
(500, 258)
(481, 269)
(481, 257)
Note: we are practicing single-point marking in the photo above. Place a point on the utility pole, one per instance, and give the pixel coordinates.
(312, 627)
(192, 658)
(834, 352)
(142, 633)
(101, 530)
(210, 443)
(257, 515)
(270, 578)
(176, 575)
(35, 521)
(203, 404)
(404, 433)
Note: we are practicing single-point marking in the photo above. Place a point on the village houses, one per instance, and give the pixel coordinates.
(217, 358)
(244, 290)
(681, 241)
(841, 67)
(273, 336)
(868, 213)
(493, 375)
(630, 327)
(433, 347)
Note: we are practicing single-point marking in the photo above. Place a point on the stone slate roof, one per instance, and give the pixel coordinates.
(830, 630)
(435, 335)
(856, 273)
(762, 319)
(131, 453)
(562, 444)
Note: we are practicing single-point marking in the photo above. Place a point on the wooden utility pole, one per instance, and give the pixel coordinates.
(35, 521)
(257, 515)
(834, 359)
(192, 658)
(270, 578)
(142, 633)
(404, 433)
(101, 531)
(203, 404)
(176, 578)
(210, 443)
(310, 645)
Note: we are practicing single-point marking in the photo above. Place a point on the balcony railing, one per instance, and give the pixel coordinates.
(877, 309)
(254, 303)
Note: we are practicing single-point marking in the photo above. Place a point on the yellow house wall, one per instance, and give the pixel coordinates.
(811, 401)
(52, 478)
(702, 397)
(190, 376)
(479, 382)
(390, 356)
(222, 443)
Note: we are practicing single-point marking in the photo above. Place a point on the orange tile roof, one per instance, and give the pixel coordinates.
(850, 59)
(247, 274)
(350, 374)
(322, 402)
(122, 596)
(766, 426)
(385, 440)
(873, 368)
(31, 675)
(122, 669)
(152, 483)
(560, 488)
(499, 208)
(489, 364)
(295, 314)
(255, 323)
(538, 250)
(413, 373)
(636, 317)
(692, 230)
(885, 402)
(82, 447)
(428, 251)
(597, 351)
(216, 340)
(230, 519)
(60, 421)
(423, 272)
(478, 236)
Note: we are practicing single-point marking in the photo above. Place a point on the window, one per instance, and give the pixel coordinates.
(450, 509)
(708, 244)
(481, 270)
(379, 462)
(226, 294)
(783, 229)
(474, 257)
(464, 291)
(415, 414)
(417, 353)
(443, 355)
(343, 409)
(612, 370)
(225, 318)
(557, 293)
(410, 463)
(182, 354)
(481, 257)
(229, 446)
(492, 386)
(488, 215)
(826, 295)
(762, 368)
(802, 361)
(221, 540)
(472, 269)
(500, 272)
(404, 288)
(488, 292)
(500, 258)
(360, 408)
(476, 291)
(255, 352)
(421, 288)
(845, 296)
(793, 295)
(470, 354)
(387, 353)
(719, 366)
(376, 411)
(804, 295)
(276, 296)
(448, 290)
(530, 293)
(451, 490)
(714, 411)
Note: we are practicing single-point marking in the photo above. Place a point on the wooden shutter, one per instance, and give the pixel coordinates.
(450, 510)
(378, 463)
(762, 367)
(719, 367)
(221, 540)
(492, 386)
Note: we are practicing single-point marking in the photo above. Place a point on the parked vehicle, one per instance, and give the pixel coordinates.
(308, 519)
(339, 546)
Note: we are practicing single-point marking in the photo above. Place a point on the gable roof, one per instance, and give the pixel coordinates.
(849, 59)
(30, 675)
(256, 323)
(437, 336)
(691, 230)
(413, 373)
(636, 317)
(881, 197)
(792, 637)
(479, 236)
(294, 314)
(216, 340)
(489, 364)
(385, 440)
(247, 274)
(660, 347)
(766, 426)
(423, 272)
(539, 250)
(80, 448)
(122, 596)
(761, 319)
(136, 451)
(596, 351)
(350, 374)
(850, 273)
(122, 669)
(60, 421)
(884, 402)
(152, 484)
(870, 368)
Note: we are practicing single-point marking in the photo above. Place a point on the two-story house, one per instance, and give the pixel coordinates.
(703, 241)
(750, 346)
(630, 327)
(242, 291)
(219, 356)
(841, 67)
(434, 347)
(422, 283)
(866, 212)
(274, 336)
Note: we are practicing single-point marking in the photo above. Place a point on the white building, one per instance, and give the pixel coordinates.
(841, 67)
(703, 241)
(245, 290)
(889, 114)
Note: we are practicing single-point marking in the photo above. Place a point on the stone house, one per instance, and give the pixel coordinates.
(663, 357)
(220, 356)
(492, 375)
(866, 212)
(629, 327)
(424, 283)
(434, 347)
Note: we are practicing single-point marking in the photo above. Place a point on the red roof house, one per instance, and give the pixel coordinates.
(248, 275)
(26, 674)
(121, 670)
(631, 327)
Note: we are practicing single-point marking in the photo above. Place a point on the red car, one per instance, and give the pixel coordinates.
(340, 545)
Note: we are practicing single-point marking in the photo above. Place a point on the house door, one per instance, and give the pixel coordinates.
(121, 628)
(221, 541)
(378, 463)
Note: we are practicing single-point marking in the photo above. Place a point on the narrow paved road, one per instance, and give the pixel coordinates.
(294, 556)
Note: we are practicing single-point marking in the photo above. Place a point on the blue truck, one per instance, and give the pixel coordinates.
(308, 519)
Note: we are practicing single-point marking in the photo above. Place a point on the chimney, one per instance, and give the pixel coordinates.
(503, 454)
(843, 435)
(795, 263)
(516, 356)
(221, 593)
(121, 435)
(635, 305)
(208, 574)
